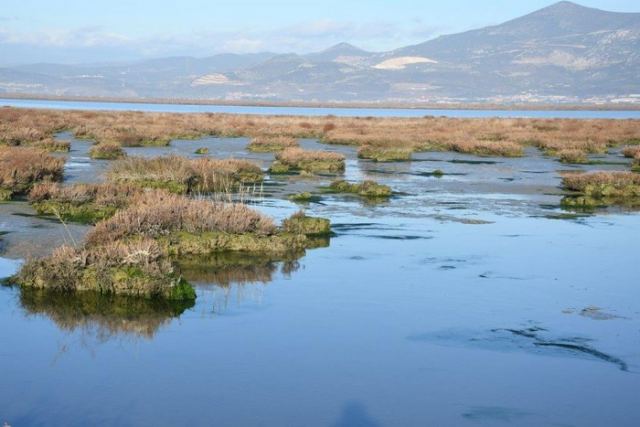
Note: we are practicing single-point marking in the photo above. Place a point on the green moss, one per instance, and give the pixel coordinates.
(369, 189)
(300, 224)
(319, 166)
(182, 243)
(385, 154)
(85, 213)
(301, 197)
(279, 168)
(601, 195)
(271, 147)
(309, 166)
(104, 152)
(122, 280)
(202, 150)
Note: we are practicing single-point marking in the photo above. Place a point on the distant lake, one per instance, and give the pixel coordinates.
(317, 111)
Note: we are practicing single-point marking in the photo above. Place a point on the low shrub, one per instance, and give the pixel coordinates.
(488, 148)
(384, 154)
(84, 203)
(21, 168)
(300, 223)
(180, 175)
(135, 268)
(266, 144)
(297, 159)
(573, 156)
(157, 214)
(365, 189)
(107, 151)
(602, 188)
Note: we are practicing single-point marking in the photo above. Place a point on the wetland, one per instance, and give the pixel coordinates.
(460, 271)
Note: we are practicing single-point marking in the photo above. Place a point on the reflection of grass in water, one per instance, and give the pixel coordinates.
(224, 269)
(103, 315)
(228, 274)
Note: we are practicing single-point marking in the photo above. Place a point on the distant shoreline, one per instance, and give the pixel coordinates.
(363, 104)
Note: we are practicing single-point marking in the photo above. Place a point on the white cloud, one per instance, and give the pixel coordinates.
(301, 37)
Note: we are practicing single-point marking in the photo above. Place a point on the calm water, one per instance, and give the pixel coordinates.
(467, 300)
(311, 111)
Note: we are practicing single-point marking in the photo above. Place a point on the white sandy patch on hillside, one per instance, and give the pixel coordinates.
(401, 63)
(211, 79)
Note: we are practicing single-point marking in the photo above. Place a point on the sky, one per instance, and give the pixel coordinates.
(75, 31)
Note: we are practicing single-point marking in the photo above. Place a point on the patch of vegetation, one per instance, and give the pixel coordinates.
(573, 156)
(202, 151)
(52, 145)
(301, 224)
(134, 268)
(132, 252)
(488, 148)
(180, 175)
(631, 152)
(384, 154)
(83, 203)
(370, 189)
(271, 144)
(21, 168)
(107, 151)
(602, 189)
(297, 160)
(304, 197)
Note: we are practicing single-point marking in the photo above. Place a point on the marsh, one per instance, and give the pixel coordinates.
(459, 298)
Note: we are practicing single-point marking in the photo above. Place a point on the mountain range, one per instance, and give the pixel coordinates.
(565, 53)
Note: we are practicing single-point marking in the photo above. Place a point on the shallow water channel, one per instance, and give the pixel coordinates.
(469, 299)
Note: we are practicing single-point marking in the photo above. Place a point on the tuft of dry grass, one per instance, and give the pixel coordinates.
(158, 213)
(52, 145)
(180, 175)
(21, 168)
(573, 156)
(384, 154)
(297, 159)
(115, 195)
(107, 151)
(601, 182)
(632, 152)
(267, 144)
(137, 267)
(83, 203)
(553, 147)
(488, 148)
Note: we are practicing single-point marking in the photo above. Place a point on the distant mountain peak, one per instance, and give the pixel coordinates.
(566, 5)
(342, 48)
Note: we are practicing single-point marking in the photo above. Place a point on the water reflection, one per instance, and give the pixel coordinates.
(102, 316)
(226, 276)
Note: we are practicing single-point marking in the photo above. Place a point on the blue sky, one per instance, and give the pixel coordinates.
(99, 30)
